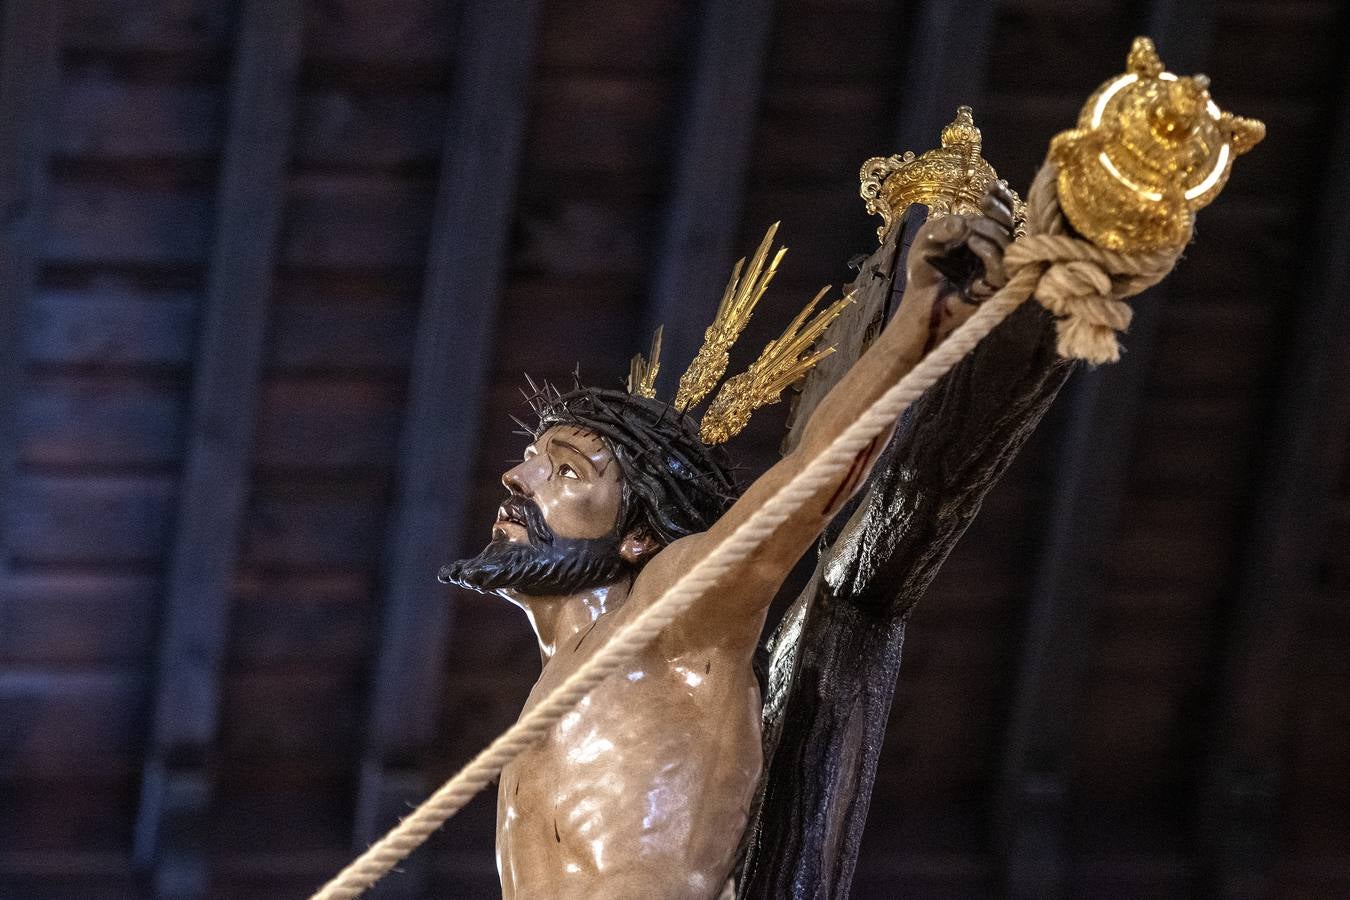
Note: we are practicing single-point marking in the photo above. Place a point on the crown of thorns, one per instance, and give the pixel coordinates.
(674, 483)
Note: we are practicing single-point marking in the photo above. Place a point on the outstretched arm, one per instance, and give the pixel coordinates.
(954, 263)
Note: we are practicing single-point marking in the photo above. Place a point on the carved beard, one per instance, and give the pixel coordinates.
(546, 565)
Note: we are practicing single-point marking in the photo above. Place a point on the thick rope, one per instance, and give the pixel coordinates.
(1083, 297)
(1084, 286)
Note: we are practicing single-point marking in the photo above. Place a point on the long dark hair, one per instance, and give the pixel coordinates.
(673, 483)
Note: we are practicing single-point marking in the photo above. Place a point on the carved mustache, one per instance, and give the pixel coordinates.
(523, 511)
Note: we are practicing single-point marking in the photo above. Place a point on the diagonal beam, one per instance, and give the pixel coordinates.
(712, 156)
(30, 67)
(177, 782)
(1093, 457)
(493, 61)
(1283, 547)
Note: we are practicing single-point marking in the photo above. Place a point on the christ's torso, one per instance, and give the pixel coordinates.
(642, 790)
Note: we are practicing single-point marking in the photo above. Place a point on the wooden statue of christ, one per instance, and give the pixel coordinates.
(643, 790)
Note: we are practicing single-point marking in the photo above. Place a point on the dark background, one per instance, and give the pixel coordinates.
(226, 591)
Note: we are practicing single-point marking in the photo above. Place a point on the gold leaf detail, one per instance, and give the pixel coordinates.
(642, 371)
(783, 362)
(952, 178)
(738, 302)
(1151, 148)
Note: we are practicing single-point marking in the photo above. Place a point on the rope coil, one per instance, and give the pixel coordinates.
(1084, 286)
(1075, 280)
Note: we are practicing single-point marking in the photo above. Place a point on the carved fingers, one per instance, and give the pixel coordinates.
(988, 239)
(966, 251)
(999, 203)
(931, 255)
(991, 234)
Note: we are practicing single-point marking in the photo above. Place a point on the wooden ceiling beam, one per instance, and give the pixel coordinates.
(1092, 457)
(30, 76)
(1285, 542)
(494, 55)
(176, 788)
(711, 159)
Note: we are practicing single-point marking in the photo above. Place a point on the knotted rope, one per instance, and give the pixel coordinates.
(1077, 281)
(1081, 284)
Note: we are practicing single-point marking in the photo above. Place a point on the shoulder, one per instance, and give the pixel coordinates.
(666, 567)
(712, 619)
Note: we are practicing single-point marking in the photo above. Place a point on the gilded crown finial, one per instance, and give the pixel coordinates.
(950, 179)
(962, 135)
(1143, 59)
(1150, 149)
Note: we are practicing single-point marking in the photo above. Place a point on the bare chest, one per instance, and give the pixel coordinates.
(651, 775)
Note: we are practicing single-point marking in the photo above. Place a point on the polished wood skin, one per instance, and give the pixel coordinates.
(644, 789)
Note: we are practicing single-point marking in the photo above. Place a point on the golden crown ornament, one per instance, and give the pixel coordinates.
(782, 363)
(952, 178)
(1150, 149)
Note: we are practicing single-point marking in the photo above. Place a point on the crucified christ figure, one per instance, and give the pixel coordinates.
(643, 790)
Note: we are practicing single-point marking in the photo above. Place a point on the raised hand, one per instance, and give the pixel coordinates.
(962, 255)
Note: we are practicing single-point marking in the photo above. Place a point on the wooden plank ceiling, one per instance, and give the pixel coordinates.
(214, 267)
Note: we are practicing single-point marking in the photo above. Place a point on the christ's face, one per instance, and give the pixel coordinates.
(572, 476)
(557, 532)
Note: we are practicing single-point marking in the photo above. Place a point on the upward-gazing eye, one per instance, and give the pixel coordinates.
(567, 471)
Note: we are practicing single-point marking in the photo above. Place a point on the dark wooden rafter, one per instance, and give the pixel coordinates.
(177, 780)
(494, 54)
(1285, 539)
(711, 159)
(1031, 819)
(30, 67)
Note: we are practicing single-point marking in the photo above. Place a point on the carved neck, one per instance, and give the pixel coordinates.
(560, 621)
